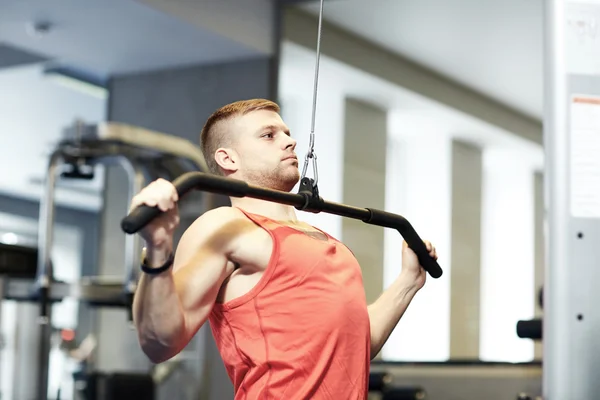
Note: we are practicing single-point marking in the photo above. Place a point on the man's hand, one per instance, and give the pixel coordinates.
(158, 234)
(412, 271)
(162, 194)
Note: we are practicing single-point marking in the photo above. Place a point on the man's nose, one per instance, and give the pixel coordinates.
(290, 143)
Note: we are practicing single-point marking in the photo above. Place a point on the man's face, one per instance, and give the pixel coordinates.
(266, 150)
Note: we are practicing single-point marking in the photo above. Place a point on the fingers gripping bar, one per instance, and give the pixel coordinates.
(143, 215)
(401, 224)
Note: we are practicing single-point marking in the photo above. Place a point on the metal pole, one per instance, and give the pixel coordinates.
(137, 179)
(555, 285)
(44, 275)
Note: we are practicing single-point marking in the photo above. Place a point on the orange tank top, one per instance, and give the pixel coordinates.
(303, 331)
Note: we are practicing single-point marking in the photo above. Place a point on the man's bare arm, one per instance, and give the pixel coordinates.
(387, 310)
(169, 308)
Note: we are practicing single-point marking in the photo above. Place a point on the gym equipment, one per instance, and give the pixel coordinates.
(94, 385)
(461, 379)
(407, 393)
(145, 155)
(306, 200)
(527, 396)
(530, 329)
(381, 382)
(310, 153)
(18, 261)
(572, 196)
(116, 386)
(378, 381)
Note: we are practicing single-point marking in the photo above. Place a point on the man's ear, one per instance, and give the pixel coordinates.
(227, 159)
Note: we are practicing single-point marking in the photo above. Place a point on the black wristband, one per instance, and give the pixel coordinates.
(159, 270)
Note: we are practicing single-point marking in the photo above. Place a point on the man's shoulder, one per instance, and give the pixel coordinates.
(217, 219)
(217, 228)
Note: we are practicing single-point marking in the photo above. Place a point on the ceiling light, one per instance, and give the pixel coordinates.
(9, 238)
(38, 29)
(74, 82)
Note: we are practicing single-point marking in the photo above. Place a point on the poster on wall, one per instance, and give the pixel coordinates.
(585, 156)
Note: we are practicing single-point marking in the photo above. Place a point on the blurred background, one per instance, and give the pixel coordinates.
(431, 109)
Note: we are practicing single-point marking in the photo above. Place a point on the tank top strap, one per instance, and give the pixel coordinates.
(260, 220)
(274, 226)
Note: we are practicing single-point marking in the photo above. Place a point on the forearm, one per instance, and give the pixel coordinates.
(387, 310)
(157, 312)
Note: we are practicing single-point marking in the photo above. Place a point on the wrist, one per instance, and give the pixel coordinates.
(156, 256)
(399, 294)
(407, 284)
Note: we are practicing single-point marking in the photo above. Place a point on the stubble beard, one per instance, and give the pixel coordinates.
(283, 179)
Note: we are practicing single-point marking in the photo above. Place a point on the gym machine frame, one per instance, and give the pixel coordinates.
(571, 321)
(87, 145)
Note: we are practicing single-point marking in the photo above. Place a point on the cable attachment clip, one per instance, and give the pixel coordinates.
(312, 201)
(311, 154)
(308, 187)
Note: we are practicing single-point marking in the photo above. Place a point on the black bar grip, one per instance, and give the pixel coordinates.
(138, 218)
(143, 215)
(530, 329)
(210, 183)
(389, 220)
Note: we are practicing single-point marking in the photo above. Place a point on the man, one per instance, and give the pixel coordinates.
(285, 301)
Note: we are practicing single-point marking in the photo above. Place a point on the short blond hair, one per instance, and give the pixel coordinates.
(211, 137)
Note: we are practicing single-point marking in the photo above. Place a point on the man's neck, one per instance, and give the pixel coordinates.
(269, 209)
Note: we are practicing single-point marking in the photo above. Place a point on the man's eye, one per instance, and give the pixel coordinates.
(268, 135)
